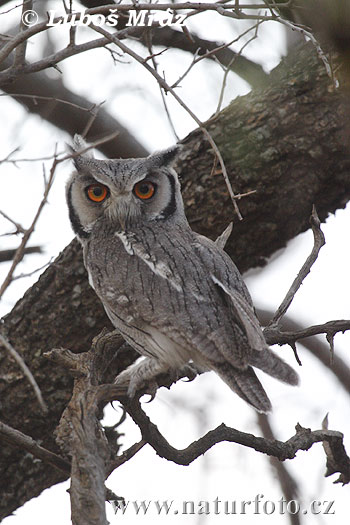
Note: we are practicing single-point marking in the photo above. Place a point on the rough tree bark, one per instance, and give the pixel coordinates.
(287, 142)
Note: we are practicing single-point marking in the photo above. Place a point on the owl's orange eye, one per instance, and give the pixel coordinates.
(97, 192)
(144, 189)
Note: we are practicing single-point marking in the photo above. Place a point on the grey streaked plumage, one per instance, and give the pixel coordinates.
(174, 295)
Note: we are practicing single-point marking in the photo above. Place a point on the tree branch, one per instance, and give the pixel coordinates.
(317, 348)
(319, 241)
(248, 70)
(273, 333)
(20, 361)
(280, 336)
(16, 438)
(7, 255)
(302, 440)
(27, 234)
(45, 96)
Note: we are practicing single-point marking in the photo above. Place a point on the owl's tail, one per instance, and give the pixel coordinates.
(245, 384)
(273, 365)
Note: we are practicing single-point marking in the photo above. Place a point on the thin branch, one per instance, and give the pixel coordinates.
(308, 34)
(80, 109)
(228, 67)
(125, 456)
(8, 255)
(275, 335)
(18, 439)
(7, 345)
(213, 52)
(20, 54)
(90, 146)
(33, 272)
(92, 119)
(12, 72)
(319, 241)
(50, 99)
(316, 347)
(42, 26)
(250, 71)
(19, 228)
(162, 94)
(302, 440)
(27, 234)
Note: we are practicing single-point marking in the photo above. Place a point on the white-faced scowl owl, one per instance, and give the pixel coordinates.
(174, 295)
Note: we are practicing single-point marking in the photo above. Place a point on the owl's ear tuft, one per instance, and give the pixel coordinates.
(79, 144)
(165, 157)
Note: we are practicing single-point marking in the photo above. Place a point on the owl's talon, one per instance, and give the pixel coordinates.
(190, 372)
(152, 390)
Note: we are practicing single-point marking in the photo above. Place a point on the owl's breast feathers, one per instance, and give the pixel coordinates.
(180, 284)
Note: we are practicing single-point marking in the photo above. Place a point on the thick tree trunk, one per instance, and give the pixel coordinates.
(288, 142)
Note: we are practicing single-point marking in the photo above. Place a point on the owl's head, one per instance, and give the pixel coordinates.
(123, 191)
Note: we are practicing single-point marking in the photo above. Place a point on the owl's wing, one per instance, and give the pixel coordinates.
(230, 284)
(227, 278)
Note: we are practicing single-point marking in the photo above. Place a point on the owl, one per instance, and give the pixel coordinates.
(174, 295)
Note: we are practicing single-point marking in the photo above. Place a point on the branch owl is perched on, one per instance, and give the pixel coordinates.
(174, 295)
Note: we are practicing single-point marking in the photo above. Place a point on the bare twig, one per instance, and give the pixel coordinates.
(125, 456)
(92, 119)
(91, 109)
(319, 241)
(273, 332)
(308, 34)
(19, 228)
(316, 347)
(229, 65)
(20, 55)
(8, 157)
(33, 272)
(162, 94)
(250, 71)
(227, 10)
(275, 335)
(27, 234)
(18, 439)
(48, 184)
(90, 146)
(7, 345)
(7, 255)
(210, 54)
(11, 73)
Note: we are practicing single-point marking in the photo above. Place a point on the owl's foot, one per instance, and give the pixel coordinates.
(190, 370)
(142, 376)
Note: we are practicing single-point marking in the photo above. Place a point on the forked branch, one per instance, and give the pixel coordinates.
(273, 332)
(319, 241)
